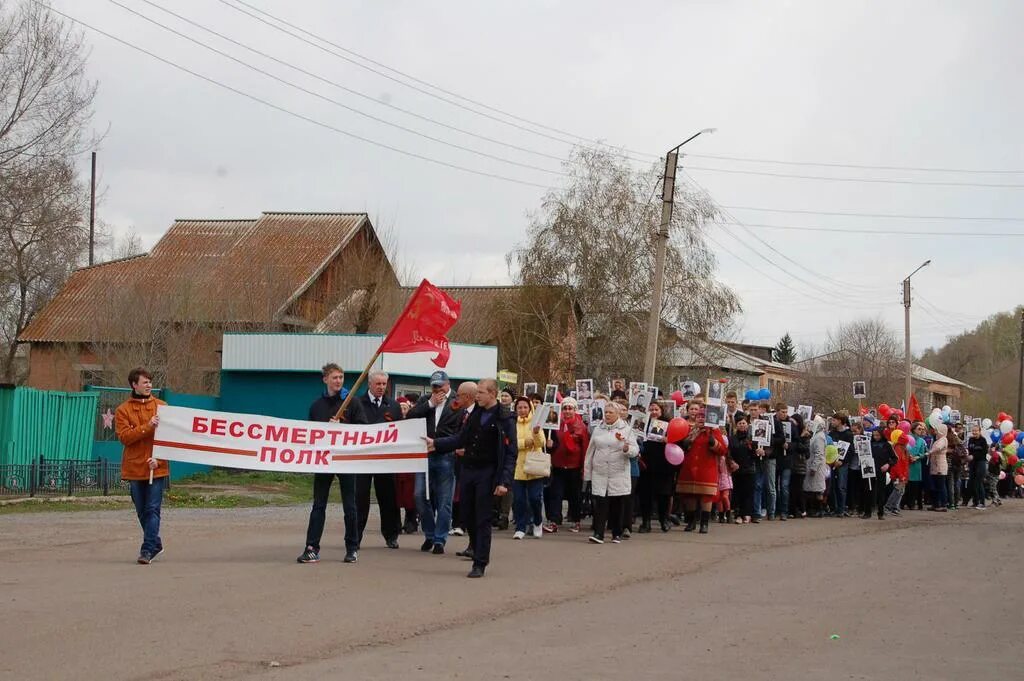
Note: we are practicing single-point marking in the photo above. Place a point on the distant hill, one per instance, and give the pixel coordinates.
(988, 358)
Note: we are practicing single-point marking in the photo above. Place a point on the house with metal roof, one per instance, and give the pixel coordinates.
(168, 308)
(701, 360)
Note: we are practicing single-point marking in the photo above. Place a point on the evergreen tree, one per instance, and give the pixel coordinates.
(785, 351)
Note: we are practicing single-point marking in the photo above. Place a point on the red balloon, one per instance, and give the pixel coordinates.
(884, 410)
(1007, 439)
(1012, 460)
(1003, 416)
(678, 429)
(678, 398)
(1018, 479)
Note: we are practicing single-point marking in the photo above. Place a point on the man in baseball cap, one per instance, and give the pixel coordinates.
(438, 379)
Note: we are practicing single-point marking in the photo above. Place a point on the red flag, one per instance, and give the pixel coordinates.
(424, 323)
(915, 409)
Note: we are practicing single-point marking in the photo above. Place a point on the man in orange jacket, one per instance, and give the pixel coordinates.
(135, 423)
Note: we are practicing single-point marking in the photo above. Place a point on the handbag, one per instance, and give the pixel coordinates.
(537, 464)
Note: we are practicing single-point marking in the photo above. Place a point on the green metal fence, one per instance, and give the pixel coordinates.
(34, 423)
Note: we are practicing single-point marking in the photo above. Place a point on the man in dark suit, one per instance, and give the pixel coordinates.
(376, 407)
(441, 410)
(489, 443)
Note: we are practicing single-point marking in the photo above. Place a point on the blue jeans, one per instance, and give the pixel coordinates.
(782, 505)
(436, 513)
(148, 499)
(759, 480)
(528, 503)
(939, 491)
(838, 494)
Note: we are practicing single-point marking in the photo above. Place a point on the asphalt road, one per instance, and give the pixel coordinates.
(929, 596)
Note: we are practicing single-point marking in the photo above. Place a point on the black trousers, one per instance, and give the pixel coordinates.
(743, 493)
(877, 495)
(476, 493)
(797, 502)
(651, 495)
(912, 499)
(317, 516)
(629, 504)
(567, 485)
(390, 516)
(608, 509)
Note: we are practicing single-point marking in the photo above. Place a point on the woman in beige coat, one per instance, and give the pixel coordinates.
(606, 471)
(938, 467)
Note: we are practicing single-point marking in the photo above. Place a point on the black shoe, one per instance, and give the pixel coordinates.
(144, 558)
(426, 546)
(438, 549)
(755, 520)
(705, 518)
(626, 534)
(351, 556)
(502, 525)
(782, 517)
(476, 572)
(411, 527)
(644, 528)
(691, 521)
(159, 550)
(674, 519)
(310, 555)
(392, 543)
(468, 553)
(665, 526)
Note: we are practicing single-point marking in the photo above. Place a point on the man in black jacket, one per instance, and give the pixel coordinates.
(490, 445)
(325, 409)
(376, 407)
(441, 410)
(783, 460)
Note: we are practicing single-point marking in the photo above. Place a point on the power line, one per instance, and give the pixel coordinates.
(289, 112)
(576, 138)
(857, 166)
(334, 101)
(357, 93)
(871, 180)
(875, 215)
(859, 230)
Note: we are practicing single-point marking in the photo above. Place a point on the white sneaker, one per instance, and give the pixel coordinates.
(519, 534)
(979, 508)
(538, 531)
(456, 532)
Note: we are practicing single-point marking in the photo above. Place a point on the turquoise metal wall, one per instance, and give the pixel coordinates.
(34, 423)
(284, 394)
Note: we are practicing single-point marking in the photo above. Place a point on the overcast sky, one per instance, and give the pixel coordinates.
(921, 84)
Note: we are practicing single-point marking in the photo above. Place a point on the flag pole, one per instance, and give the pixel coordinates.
(362, 376)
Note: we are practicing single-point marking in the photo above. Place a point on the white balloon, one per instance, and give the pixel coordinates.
(986, 424)
(946, 409)
(936, 410)
(1005, 427)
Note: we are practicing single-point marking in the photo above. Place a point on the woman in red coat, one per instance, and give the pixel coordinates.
(698, 476)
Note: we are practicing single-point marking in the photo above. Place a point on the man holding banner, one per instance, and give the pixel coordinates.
(324, 409)
(376, 407)
(489, 440)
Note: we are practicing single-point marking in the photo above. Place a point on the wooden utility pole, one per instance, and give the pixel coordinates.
(668, 190)
(92, 212)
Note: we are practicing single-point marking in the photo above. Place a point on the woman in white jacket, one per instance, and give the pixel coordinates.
(606, 471)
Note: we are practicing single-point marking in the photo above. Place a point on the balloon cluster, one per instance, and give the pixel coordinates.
(762, 394)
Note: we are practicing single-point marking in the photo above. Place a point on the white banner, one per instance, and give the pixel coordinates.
(264, 443)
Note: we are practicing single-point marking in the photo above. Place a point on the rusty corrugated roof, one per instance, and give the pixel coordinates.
(200, 270)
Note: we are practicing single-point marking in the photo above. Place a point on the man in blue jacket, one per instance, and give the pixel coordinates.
(488, 439)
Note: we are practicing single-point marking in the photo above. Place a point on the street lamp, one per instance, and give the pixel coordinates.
(668, 187)
(908, 388)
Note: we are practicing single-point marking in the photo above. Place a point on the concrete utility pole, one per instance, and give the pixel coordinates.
(909, 387)
(92, 211)
(668, 189)
(1020, 376)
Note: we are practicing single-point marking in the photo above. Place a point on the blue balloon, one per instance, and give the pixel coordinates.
(764, 394)
(996, 436)
(343, 393)
(829, 440)
(751, 395)
(1020, 436)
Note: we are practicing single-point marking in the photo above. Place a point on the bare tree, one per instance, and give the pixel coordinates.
(862, 350)
(594, 239)
(45, 112)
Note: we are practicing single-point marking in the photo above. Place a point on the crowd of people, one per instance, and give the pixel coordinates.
(489, 456)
